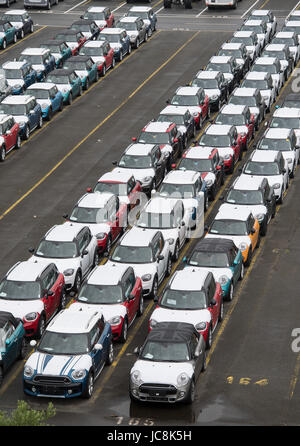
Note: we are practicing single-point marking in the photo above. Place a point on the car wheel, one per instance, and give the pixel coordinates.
(70, 100)
(31, 28)
(110, 355)
(2, 154)
(292, 174)
(41, 326)
(129, 48)
(146, 37)
(188, 4)
(209, 338)
(280, 199)
(50, 114)
(15, 38)
(137, 43)
(8, 3)
(124, 332)
(169, 267)
(242, 272)
(1, 375)
(80, 90)
(108, 245)
(154, 288)
(249, 258)
(40, 124)
(121, 55)
(63, 299)
(141, 306)
(205, 202)
(48, 5)
(87, 85)
(23, 348)
(26, 132)
(18, 142)
(103, 71)
(4, 44)
(258, 241)
(22, 34)
(176, 252)
(221, 312)
(150, 32)
(77, 282)
(89, 386)
(264, 228)
(230, 294)
(113, 63)
(96, 259)
(61, 105)
(191, 394)
(204, 364)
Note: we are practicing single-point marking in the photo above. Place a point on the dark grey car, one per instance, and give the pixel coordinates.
(135, 28)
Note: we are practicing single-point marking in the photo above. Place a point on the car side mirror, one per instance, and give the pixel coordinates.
(50, 293)
(213, 303)
(136, 351)
(89, 190)
(33, 343)
(84, 253)
(283, 170)
(184, 260)
(182, 223)
(115, 163)
(131, 297)
(7, 342)
(176, 140)
(98, 347)
(31, 250)
(65, 216)
(160, 257)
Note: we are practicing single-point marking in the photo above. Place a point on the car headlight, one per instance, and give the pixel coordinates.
(200, 326)
(65, 90)
(276, 186)
(28, 371)
(135, 377)
(153, 323)
(243, 246)
(132, 38)
(209, 182)
(45, 105)
(116, 320)
(227, 156)
(214, 97)
(289, 160)
(30, 317)
(243, 134)
(99, 64)
(22, 123)
(147, 180)
(260, 217)
(17, 86)
(78, 374)
(183, 379)
(146, 277)
(68, 272)
(196, 114)
(223, 279)
(101, 236)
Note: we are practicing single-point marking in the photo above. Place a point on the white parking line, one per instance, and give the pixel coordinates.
(160, 10)
(293, 10)
(201, 12)
(73, 7)
(120, 6)
(249, 9)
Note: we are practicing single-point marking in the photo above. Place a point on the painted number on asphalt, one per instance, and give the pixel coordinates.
(245, 381)
(135, 421)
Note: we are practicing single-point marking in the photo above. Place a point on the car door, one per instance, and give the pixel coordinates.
(56, 287)
(213, 307)
(97, 356)
(83, 242)
(13, 127)
(197, 348)
(159, 257)
(10, 344)
(204, 103)
(131, 299)
(48, 296)
(181, 221)
(235, 264)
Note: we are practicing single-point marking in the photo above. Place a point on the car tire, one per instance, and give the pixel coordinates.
(96, 259)
(23, 349)
(41, 327)
(137, 43)
(167, 3)
(2, 153)
(124, 332)
(4, 44)
(209, 338)
(108, 245)
(230, 294)
(204, 364)
(15, 38)
(121, 55)
(63, 299)
(292, 174)
(103, 71)
(18, 142)
(141, 305)
(258, 241)
(70, 100)
(249, 258)
(146, 37)
(88, 392)
(129, 48)
(221, 312)
(31, 28)
(7, 3)
(22, 34)
(264, 228)
(110, 355)
(80, 90)
(191, 393)
(48, 6)
(50, 114)
(242, 272)
(77, 282)
(87, 85)
(40, 124)
(61, 105)
(113, 63)
(169, 267)
(188, 4)
(176, 252)
(154, 290)
(26, 133)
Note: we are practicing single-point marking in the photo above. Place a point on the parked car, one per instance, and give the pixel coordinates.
(85, 68)
(59, 49)
(47, 4)
(5, 88)
(19, 75)
(68, 82)
(8, 33)
(74, 39)
(41, 60)
(9, 135)
(147, 14)
(229, 67)
(282, 52)
(135, 28)
(183, 120)
(264, 83)
(270, 65)
(48, 96)
(214, 85)
(250, 40)
(21, 20)
(267, 16)
(87, 27)
(195, 101)
(239, 52)
(253, 98)
(290, 39)
(118, 40)
(101, 54)
(101, 15)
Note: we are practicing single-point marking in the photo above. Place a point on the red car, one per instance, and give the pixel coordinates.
(122, 184)
(74, 39)
(241, 117)
(105, 216)
(102, 15)
(195, 100)
(191, 295)
(228, 142)
(34, 292)
(101, 54)
(9, 135)
(117, 292)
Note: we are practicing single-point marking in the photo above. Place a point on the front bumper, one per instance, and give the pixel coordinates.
(53, 386)
(163, 393)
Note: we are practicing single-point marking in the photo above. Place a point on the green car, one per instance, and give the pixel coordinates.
(85, 68)
(59, 49)
(68, 82)
(13, 345)
(8, 33)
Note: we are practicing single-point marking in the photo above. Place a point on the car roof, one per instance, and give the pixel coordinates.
(246, 182)
(214, 244)
(108, 274)
(97, 8)
(17, 99)
(68, 31)
(139, 149)
(253, 22)
(232, 46)
(137, 236)
(275, 46)
(259, 12)
(290, 112)
(71, 321)
(181, 177)
(160, 205)
(281, 133)
(218, 129)
(94, 200)
(116, 176)
(111, 31)
(265, 60)
(83, 22)
(53, 42)
(188, 279)
(80, 58)
(203, 74)
(26, 271)
(172, 332)
(128, 19)
(241, 91)
(65, 232)
(198, 152)
(16, 11)
(232, 212)
(187, 91)
(34, 51)
(240, 33)
(173, 110)
(92, 43)
(62, 71)
(286, 34)
(264, 155)
(232, 109)
(140, 8)
(14, 64)
(41, 86)
(156, 126)
(257, 75)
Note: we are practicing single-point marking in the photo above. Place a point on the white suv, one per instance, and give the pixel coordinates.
(264, 82)
(270, 65)
(72, 248)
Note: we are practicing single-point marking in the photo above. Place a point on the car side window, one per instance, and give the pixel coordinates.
(8, 329)
(94, 335)
(82, 242)
(130, 185)
(211, 290)
(156, 248)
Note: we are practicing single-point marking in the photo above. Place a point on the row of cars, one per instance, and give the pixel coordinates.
(111, 296)
(45, 79)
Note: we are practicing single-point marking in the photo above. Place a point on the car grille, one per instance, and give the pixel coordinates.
(158, 390)
(52, 380)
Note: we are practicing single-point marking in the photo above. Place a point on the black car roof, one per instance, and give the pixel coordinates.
(6, 316)
(172, 332)
(214, 245)
(78, 59)
(83, 22)
(62, 71)
(68, 31)
(53, 42)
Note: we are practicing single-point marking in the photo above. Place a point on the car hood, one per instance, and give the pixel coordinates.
(139, 268)
(162, 372)
(242, 128)
(191, 108)
(187, 202)
(237, 239)
(57, 365)
(108, 311)
(115, 45)
(44, 101)
(101, 23)
(56, 56)
(212, 92)
(132, 33)
(167, 233)
(19, 308)
(95, 228)
(254, 208)
(64, 87)
(13, 82)
(254, 110)
(38, 67)
(61, 264)
(228, 76)
(272, 179)
(225, 151)
(217, 272)
(97, 59)
(17, 25)
(182, 129)
(189, 316)
(81, 73)
(206, 176)
(139, 174)
(21, 118)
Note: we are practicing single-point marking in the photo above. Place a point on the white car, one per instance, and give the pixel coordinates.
(98, 14)
(264, 82)
(282, 52)
(169, 217)
(147, 14)
(38, 58)
(292, 26)
(290, 39)
(287, 117)
(253, 98)
(270, 65)
(284, 140)
(228, 66)
(148, 254)
(214, 85)
(194, 100)
(18, 18)
(136, 29)
(115, 37)
(272, 165)
(14, 72)
(72, 248)
(182, 118)
(267, 16)
(260, 28)
(189, 187)
(43, 93)
(250, 40)
(211, 4)
(121, 183)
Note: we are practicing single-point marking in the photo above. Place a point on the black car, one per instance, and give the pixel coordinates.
(233, 72)
(20, 20)
(89, 28)
(214, 85)
(182, 118)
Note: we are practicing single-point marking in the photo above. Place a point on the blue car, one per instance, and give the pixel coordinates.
(222, 258)
(59, 49)
(13, 345)
(8, 33)
(71, 354)
(19, 75)
(118, 40)
(48, 96)
(68, 82)
(26, 111)
(85, 68)
(41, 60)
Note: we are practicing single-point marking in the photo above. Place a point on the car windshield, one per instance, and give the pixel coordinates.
(100, 294)
(245, 40)
(185, 100)
(177, 190)
(89, 215)
(264, 68)
(91, 51)
(13, 109)
(94, 15)
(209, 259)
(255, 83)
(32, 58)
(66, 37)
(226, 119)
(198, 165)
(112, 38)
(215, 140)
(13, 18)
(82, 28)
(229, 227)
(19, 290)
(13, 73)
(129, 26)
(257, 28)
(223, 67)
(235, 53)
(205, 83)
(289, 123)
(156, 221)
(132, 254)
(142, 14)
(183, 299)
(295, 29)
(284, 41)
(165, 351)
(279, 54)
(53, 48)
(261, 168)
(112, 188)
(249, 197)
(38, 94)
(177, 119)
(76, 65)
(64, 343)
(275, 144)
(56, 250)
(154, 138)
(243, 100)
(58, 79)
(135, 162)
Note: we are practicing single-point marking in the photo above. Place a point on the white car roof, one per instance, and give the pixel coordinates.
(285, 34)
(242, 33)
(231, 46)
(128, 19)
(65, 232)
(157, 126)
(292, 23)
(231, 212)
(17, 99)
(265, 61)
(111, 31)
(16, 64)
(108, 274)
(244, 91)
(275, 47)
(259, 12)
(15, 11)
(140, 8)
(232, 109)
(287, 112)
(137, 237)
(188, 279)
(264, 155)
(26, 271)
(253, 22)
(94, 200)
(187, 91)
(247, 182)
(116, 176)
(71, 321)
(173, 110)
(35, 51)
(159, 205)
(139, 149)
(218, 129)
(219, 59)
(96, 8)
(281, 133)
(181, 177)
(207, 74)
(94, 43)
(4, 118)
(256, 75)
(199, 152)
(41, 86)
(295, 13)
